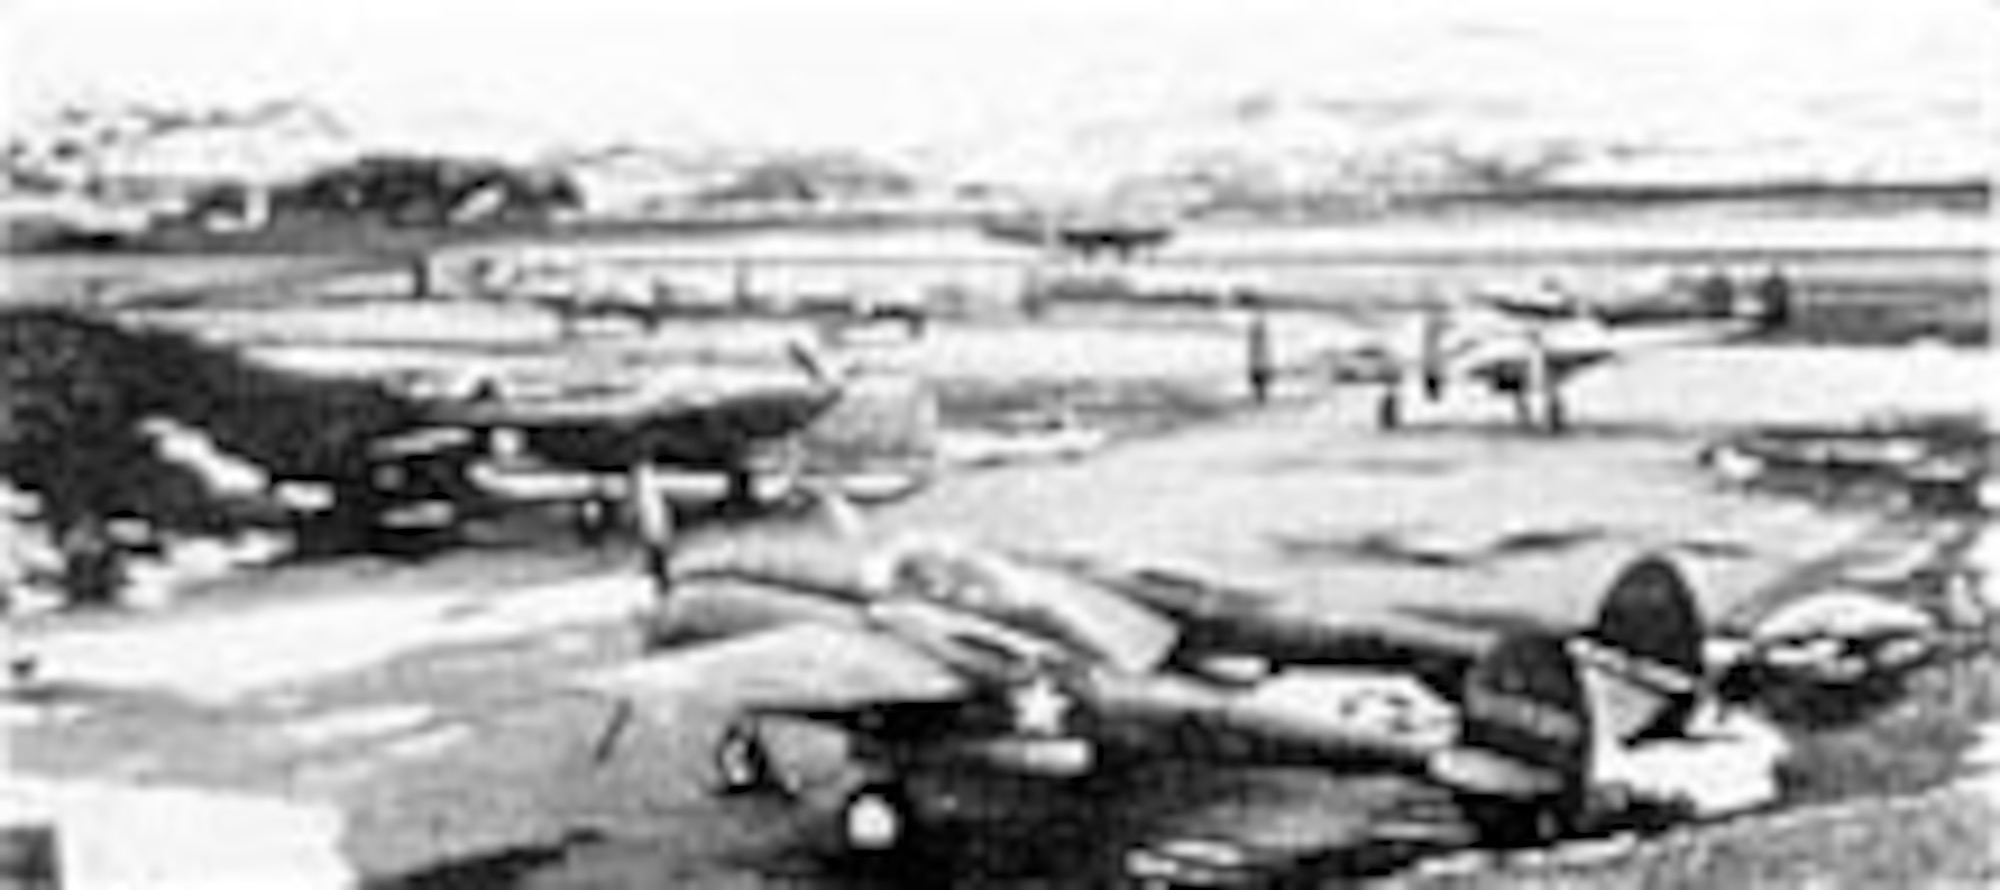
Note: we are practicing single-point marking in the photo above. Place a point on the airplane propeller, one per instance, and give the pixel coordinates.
(820, 368)
(808, 360)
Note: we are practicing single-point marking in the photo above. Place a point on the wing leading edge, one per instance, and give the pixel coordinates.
(805, 668)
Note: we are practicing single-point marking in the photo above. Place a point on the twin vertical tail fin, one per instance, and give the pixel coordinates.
(1644, 657)
(1525, 702)
(1545, 704)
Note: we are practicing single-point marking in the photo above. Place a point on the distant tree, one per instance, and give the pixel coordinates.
(430, 191)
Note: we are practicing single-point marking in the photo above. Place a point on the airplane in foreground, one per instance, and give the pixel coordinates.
(1528, 345)
(952, 669)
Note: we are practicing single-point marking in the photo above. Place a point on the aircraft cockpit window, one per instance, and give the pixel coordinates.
(941, 578)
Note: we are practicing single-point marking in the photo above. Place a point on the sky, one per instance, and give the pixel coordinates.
(904, 73)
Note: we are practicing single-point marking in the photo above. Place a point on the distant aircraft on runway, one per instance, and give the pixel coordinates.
(648, 299)
(1083, 238)
(1527, 345)
(1088, 226)
(949, 667)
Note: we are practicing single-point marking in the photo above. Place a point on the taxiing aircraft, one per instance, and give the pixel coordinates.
(945, 663)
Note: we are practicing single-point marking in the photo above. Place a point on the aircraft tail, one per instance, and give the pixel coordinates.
(1528, 722)
(1539, 709)
(1644, 657)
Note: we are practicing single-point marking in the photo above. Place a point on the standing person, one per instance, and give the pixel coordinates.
(655, 520)
(1260, 364)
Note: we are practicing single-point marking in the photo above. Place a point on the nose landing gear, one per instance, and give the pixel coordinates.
(744, 765)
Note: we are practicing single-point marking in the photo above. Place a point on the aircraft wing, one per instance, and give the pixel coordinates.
(1571, 347)
(806, 668)
(613, 432)
(767, 406)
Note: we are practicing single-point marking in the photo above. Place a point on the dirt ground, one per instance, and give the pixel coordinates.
(426, 702)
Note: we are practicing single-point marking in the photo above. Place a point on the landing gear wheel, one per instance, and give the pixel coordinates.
(743, 763)
(788, 467)
(875, 818)
(593, 519)
(1554, 418)
(1524, 410)
(1388, 411)
(741, 493)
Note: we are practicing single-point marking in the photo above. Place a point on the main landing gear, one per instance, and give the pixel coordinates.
(1541, 408)
(876, 817)
(1389, 408)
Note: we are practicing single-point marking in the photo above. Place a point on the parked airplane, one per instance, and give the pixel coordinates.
(952, 668)
(1082, 238)
(1062, 223)
(1936, 463)
(635, 431)
(648, 298)
(1528, 345)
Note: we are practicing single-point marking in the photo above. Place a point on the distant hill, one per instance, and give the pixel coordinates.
(1275, 151)
(87, 175)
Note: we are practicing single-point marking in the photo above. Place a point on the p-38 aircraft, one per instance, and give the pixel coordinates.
(1527, 345)
(945, 663)
(468, 454)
